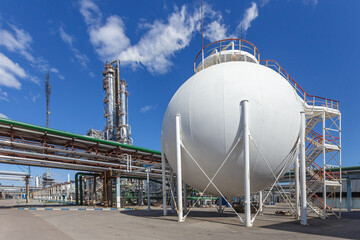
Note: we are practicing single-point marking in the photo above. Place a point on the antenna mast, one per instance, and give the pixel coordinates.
(48, 92)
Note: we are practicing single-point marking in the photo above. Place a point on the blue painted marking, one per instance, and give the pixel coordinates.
(128, 208)
(113, 209)
(98, 209)
(20, 208)
(82, 209)
(65, 209)
(48, 209)
(32, 208)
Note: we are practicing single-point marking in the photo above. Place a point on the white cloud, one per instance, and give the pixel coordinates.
(109, 40)
(36, 97)
(161, 41)
(54, 70)
(17, 41)
(3, 115)
(9, 72)
(91, 74)
(69, 40)
(250, 15)
(66, 37)
(310, 2)
(215, 31)
(147, 108)
(3, 95)
(90, 11)
(264, 2)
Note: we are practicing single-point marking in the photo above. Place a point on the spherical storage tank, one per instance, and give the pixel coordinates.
(211, 122)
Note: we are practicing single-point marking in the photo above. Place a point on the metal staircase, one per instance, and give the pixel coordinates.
(323, 154)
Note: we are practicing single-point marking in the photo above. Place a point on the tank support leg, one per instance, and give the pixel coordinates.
(163, 182)
(178, 169)
(248, 222)
(303, 219)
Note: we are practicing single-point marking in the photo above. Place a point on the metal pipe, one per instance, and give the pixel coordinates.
(163, 182)
(178, 169)
(15, 173)
(70, 152)
(303, 219)
(248, 222)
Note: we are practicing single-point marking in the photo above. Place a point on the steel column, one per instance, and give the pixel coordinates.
(245, 113)
(303, 219)
(178, 169)
(118, 192)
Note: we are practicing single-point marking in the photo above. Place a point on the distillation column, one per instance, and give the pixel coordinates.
(117, 126)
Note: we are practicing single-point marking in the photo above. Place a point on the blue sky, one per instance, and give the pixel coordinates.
(316, 41)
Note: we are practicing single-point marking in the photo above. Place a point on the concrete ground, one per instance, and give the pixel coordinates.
(202, 223)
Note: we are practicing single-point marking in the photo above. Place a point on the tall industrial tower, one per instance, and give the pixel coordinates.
(117, 126)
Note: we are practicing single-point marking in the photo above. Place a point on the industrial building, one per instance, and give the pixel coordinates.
(233, 95)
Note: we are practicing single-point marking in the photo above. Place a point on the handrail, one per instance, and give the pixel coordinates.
(319, 138)
(311, 100)
(236, 44)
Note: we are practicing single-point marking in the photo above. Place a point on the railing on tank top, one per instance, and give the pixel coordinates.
(226, 50)
(310, 100)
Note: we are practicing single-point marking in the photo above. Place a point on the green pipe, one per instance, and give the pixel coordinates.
(75, 136)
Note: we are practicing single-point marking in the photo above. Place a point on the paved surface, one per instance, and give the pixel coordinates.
(140, 224)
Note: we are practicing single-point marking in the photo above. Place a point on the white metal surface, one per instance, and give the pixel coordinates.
(211, 122)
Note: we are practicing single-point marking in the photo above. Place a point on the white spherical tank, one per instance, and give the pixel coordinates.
(211, 123)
